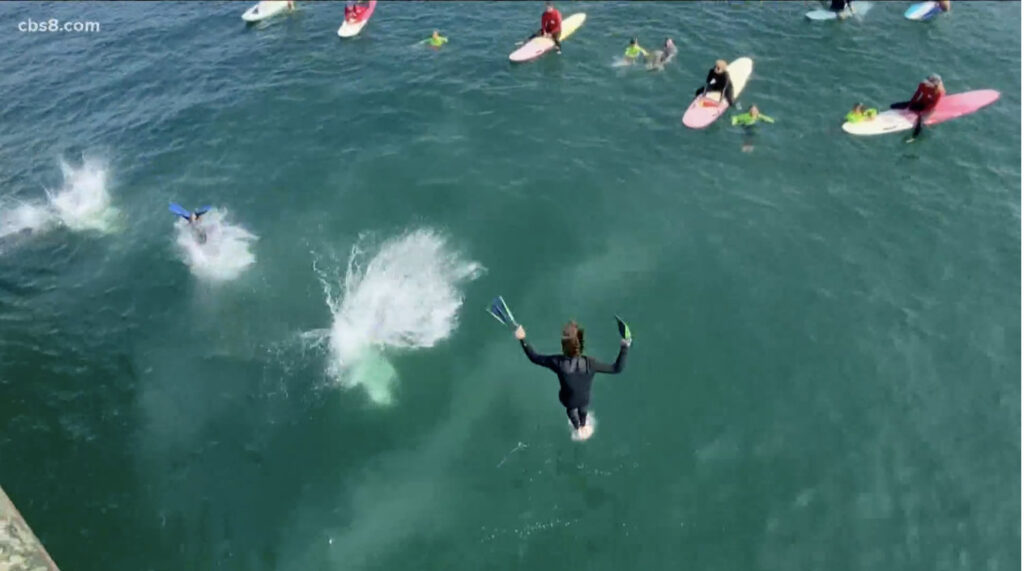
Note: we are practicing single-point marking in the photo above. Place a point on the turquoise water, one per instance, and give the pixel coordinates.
(825, 372)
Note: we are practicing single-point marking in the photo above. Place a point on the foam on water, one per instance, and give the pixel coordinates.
(226, 252)
(24, 218)
(406, 297)
(83, 202)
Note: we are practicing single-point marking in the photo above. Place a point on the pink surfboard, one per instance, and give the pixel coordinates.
(949, 107)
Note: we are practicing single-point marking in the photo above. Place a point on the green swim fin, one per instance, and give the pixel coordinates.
(624, 331)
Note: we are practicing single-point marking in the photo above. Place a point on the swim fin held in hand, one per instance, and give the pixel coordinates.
(624, 331)
(500, 311)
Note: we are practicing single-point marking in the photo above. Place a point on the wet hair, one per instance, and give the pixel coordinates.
(572, 340)
(633, 41)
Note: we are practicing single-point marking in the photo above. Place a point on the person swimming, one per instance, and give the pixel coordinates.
(575, 372)
(923, 102)
(659, 58)
(747, 121)
(860, 113)
(718, 80)
(633, 51)
(751, 118)
(436, 40)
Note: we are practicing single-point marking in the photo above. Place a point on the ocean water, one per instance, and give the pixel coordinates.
(825, 373)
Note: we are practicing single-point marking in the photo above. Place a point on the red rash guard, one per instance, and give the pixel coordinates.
(551, 22)
(926, 97)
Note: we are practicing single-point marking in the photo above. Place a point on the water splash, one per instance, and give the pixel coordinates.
(25, 218)
(83, 202)
(406, 297)
(225, 253)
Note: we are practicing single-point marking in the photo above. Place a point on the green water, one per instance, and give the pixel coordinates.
(825, 373)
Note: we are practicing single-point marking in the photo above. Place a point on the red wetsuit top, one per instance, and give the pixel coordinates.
(926, 97)
(354, 12)
(551, 22)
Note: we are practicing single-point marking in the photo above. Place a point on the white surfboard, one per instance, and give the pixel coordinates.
(923, 11)
(264, 10)
(859, 9)
(537, 47)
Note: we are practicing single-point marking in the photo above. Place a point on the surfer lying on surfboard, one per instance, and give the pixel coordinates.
(927, 96)
(193, 220)
(718, 80)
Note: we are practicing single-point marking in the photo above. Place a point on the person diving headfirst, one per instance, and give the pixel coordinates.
(192, 217)
(576, 371)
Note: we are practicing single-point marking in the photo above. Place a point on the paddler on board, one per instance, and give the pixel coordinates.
(550, 26)
(929, 93)
(354, 12)
(718, 80)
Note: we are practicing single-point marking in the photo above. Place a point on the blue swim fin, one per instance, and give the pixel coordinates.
(203, 210)
(177, 209)
(500, 311)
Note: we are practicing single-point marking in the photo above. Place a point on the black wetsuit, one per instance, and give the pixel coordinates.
(718, 82)
(839, 5)
(575, 375)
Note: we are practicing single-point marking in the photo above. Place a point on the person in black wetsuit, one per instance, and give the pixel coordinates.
(718, 80)
(575, 371)
(842, 8)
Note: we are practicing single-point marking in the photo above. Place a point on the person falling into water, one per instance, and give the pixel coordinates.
(192, 217)
(575, 373)
(436, 40)
(747, 121)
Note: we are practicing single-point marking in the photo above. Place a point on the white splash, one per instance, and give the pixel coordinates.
(226, 252)
(83, 202)
(24, 218)
(406, 297)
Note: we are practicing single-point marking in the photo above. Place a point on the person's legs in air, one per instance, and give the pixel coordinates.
(574, 418)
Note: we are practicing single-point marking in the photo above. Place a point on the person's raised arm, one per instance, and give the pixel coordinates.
(533, 356)
(616, 367)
